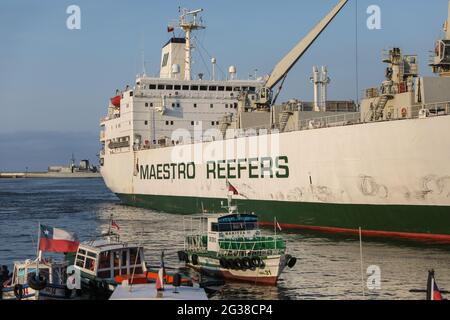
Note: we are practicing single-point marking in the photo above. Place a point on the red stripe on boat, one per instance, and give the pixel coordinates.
(368, 233)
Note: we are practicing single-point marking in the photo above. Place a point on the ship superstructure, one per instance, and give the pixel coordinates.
(382, 166)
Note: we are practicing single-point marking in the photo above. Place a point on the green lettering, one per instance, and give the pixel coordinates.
(191, 170)
(152, 172)
(252, 168)
(167, 171)
(181, 170)
(231, 169)
(159, 171)
(266, 171)
(144, 172)
(283, 168)
(241, 167)
(211, 169)
(221, 169)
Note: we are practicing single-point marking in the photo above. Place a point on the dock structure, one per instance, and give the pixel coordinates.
(47, 175)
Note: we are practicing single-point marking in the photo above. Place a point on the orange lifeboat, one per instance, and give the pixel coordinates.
(115, 101)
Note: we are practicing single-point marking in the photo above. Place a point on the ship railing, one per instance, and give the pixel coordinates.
(434, 109)
(263, 246)
(331, 121)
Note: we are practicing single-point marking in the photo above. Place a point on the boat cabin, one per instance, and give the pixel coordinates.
(105, 259)
(54, 272)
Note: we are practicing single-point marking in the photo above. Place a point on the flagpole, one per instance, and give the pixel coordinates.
(38, 254)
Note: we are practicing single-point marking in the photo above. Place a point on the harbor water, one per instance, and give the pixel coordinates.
(328, 267)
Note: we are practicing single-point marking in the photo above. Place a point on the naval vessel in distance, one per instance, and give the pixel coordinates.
(384, 168)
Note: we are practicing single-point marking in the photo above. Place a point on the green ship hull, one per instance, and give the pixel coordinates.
(428, 223)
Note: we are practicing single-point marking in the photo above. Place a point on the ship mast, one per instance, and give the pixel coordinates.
(189, 23)
(441, 60)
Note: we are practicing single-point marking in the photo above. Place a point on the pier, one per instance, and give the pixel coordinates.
(47, 175)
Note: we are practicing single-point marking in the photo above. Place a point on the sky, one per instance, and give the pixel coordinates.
(55, 83)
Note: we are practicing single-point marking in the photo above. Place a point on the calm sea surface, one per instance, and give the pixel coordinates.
(328, 266)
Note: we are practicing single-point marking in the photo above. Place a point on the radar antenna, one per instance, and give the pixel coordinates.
(189, 21)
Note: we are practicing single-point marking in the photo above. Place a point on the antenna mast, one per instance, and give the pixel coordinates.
(189, 22)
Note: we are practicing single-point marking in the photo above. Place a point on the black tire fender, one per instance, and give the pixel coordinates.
(37, 283)
(194, 259)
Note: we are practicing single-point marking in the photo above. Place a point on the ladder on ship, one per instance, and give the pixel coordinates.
(381, 104)
(284, 119)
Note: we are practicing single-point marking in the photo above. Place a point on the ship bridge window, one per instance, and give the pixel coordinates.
(229, 89)
(152, 86)
(161, 87)
(169, 87)
(203, 88)
(194, 88)
(237, 89)
(131, 93)
(220, 88)
(252, 89)
(165, 60)
(178, 87)
(185, 88)
(212, 88)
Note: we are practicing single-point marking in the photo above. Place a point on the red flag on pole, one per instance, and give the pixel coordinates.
(231, 188)
(115, 225)
(170, 29)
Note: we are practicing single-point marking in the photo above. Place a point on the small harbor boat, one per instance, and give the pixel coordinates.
(42, 278)
(159, 290)
(231, 246)
(49, 285)
(106, 262)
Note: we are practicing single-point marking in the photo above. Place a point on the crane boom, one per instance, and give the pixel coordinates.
(285, 65)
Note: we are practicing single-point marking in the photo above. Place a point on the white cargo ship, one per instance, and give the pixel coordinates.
(170, 143)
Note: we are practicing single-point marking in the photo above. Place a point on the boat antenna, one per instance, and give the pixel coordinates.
(362, 264)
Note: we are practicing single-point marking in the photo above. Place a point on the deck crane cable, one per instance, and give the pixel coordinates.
(209, 55)
(196, 41)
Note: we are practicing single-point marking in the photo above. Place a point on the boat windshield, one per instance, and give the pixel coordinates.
(238, 222)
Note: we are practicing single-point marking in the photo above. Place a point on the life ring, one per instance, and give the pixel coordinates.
(37, 283)
(18, 291)
(194, 259)
(404, 112)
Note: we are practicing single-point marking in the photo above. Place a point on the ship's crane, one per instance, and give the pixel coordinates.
(281, 70)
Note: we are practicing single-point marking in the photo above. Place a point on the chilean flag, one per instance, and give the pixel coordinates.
(232, 189)
(57, 240)
(435, 292)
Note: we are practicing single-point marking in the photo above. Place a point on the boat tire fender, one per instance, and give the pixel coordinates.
(18, 291)
(256, 262)
(247, 263)
(239, 265)
(291, 262)
(37, 283)
(223, 263)
(194, 259)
